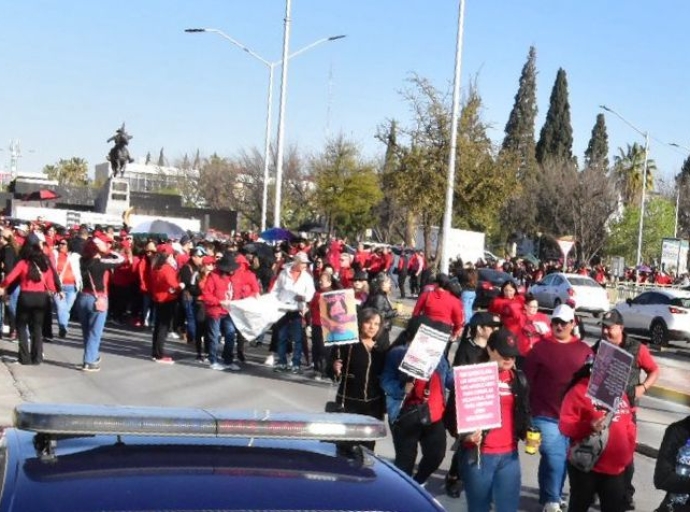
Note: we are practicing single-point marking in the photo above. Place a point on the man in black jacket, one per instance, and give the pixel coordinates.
(665, 477)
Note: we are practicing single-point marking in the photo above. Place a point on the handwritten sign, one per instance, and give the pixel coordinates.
(338, 311)
(610, 374)
(424, 353)
(477, 402)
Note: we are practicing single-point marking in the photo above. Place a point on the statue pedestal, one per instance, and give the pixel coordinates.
(114, 197)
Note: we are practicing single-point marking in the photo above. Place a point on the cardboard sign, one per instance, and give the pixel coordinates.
(610, 375)
(338, 311)
(477, 402)
(424, 353)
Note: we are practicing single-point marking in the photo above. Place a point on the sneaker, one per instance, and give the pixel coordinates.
(218, 366)
(90, 367)
(318, 377)
(62, 332)
(270, 360)
(98, 360)
(163, 360)
(296, 370)
(280, 368)
(453, 487)
(233, 367)
(552, 507)
(173, 335)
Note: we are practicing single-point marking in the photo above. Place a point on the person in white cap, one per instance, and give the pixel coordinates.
(294, 287)
(549, 368)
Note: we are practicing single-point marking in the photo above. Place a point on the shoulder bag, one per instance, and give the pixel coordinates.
(101, 304)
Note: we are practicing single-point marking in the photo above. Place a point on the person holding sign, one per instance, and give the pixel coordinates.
(490, 466)
(358, 366)
(416, 406)
(582, 416)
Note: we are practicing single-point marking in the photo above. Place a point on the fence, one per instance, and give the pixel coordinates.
(620, 291)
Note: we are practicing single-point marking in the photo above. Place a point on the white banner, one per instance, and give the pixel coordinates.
(565, 246)
(254, 316)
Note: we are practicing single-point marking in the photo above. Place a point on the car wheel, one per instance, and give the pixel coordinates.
(596, 314)
(659, 333)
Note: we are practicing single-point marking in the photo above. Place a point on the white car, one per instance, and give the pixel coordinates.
(662, 315)
(559, 288)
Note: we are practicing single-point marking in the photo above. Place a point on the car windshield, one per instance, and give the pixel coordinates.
(583, 281)
(681, 302)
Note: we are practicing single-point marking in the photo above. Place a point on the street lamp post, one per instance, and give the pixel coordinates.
(644, 180)
(269, 105)
(450, 186)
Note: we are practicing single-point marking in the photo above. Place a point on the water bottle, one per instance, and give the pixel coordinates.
(682, 469)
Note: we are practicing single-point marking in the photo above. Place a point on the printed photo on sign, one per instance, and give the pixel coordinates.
(610, 374)
(338, 311)
(477, 398)
(424, 353)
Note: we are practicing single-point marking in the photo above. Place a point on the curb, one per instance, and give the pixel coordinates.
(670, 395)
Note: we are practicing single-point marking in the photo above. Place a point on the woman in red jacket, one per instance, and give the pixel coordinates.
(579, 418)
(37, 279)
(509, 306)
(439, 305)
(534, 325)
(165, 291)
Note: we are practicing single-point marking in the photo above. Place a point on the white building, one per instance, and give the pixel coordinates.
(144, 177)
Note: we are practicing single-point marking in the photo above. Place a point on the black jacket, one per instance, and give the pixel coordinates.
(665, 477)
(380, 302)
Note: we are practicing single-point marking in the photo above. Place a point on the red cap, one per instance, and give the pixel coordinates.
(208, 260)
(165, 249)
(99, 235)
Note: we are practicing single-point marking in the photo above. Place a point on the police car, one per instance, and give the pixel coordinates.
(107, 458)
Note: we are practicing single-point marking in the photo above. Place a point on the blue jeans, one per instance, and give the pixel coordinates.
(190, 316)
(63, 306)
(496, 479)
(218, 327)
(290, 330)
(92, 324)
(14, 300)
(552, 464)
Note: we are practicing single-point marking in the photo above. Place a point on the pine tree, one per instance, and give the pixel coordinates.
(161, 159)
(520, 126)
(148, 158)
(197, 161)
(556, 137)
(185, 162)
(597, 153)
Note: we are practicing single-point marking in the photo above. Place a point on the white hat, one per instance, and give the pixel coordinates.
(301, 257)
(563, 312)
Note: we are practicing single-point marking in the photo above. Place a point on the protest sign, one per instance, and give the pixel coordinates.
(610, 374)
(477, 402)
(338, 311)
(424, 352)
(254, 315)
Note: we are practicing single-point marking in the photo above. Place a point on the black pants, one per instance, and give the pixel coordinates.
(583, 487)
(431, 439)
(402, 277)
(164, 316)
(31, 309)
(414, 284)
(47, 326)
(318, 349)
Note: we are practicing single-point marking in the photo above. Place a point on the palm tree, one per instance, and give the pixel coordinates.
(628, 170)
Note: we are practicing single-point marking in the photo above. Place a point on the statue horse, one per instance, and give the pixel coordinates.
(119, 158)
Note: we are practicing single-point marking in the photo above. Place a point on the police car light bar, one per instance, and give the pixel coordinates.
(86, 420)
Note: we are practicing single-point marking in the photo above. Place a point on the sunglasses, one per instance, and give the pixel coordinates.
(558, 321)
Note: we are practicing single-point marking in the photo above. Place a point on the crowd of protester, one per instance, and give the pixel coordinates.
(184, 289)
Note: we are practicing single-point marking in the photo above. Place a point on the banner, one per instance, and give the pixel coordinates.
(610, 374)
(477, 400)
(565, 246)
(253, 316)
(424, 353)
(338, 311)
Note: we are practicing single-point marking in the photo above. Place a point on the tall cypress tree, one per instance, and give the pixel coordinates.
(520, 126)
(597, 153)
(162, 162)
(556, 137)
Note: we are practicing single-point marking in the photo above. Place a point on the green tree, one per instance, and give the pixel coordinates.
(628, 171)
(658, 224)
(148, 158)
(69, 172)
(597, 152)
(683, 196)
(162, 161)
(519, 212)
(556, 137)
(347, 189)
(217, 180)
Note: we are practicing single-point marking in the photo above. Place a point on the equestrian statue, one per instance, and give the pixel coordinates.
(119, 154)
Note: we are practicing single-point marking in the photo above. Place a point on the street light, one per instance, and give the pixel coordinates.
(271, 66)
(450, 186)
(644, 179)
(678, 184)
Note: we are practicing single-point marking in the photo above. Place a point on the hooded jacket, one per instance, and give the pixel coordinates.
(218, 287)
(244, 281)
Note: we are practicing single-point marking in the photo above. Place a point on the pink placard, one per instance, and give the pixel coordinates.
(477, 403)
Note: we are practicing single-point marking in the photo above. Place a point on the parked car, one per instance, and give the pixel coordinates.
(661, 315)
(489, 282)
(558, 288)
(81, 457)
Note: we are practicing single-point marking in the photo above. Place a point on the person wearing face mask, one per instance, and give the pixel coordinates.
(490, 465)
(549, 368)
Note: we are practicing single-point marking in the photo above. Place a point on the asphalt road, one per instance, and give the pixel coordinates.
(129, 377)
